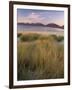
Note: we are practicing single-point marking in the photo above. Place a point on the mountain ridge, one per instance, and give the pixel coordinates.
(53, 25)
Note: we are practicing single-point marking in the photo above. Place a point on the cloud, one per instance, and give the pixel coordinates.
(39, 18)
(31, 18)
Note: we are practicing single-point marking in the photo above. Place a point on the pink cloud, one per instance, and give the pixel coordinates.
(31, 18)
(36, 18)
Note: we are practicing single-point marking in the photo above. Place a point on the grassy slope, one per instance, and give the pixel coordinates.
(40, 58)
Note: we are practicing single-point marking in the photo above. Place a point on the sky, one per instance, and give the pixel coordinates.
(40, 16)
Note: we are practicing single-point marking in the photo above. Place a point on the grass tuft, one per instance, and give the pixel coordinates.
(40, 57)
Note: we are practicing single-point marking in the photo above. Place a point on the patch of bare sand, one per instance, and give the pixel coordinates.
(43, 33)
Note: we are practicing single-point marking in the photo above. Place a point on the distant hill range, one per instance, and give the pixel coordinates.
(53, 25)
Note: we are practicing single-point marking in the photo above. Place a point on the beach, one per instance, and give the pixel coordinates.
(59, 33)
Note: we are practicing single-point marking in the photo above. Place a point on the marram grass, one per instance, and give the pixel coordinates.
(42, 58)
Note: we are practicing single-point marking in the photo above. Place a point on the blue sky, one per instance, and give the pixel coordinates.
(40, 16)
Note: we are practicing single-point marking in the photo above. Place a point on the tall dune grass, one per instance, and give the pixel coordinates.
(40, 59)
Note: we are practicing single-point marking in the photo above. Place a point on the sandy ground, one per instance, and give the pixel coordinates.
(43, 33)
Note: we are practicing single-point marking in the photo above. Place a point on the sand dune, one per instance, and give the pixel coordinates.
(43, 33)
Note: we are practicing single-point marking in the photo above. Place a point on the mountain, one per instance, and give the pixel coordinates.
(32, 24)
(53, 25)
